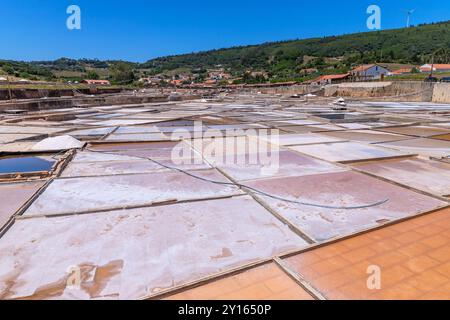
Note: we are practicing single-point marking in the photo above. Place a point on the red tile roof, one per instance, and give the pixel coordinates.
(210, 82)
(332, 77)
(402, 71)
(335, 76)
(363, 67)
(436, 66)
(177, 82)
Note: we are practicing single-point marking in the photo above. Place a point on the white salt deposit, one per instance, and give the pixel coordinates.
(58, 143)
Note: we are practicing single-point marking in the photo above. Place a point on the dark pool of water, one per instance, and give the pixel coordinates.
(333, 116)
(24, 164)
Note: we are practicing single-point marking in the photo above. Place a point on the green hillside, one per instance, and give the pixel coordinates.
(69, 69)
(288, 59)
(277, 61)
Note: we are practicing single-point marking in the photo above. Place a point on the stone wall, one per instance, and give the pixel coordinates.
(58, 103)
(290, 90)
(415, 91)
(394, 91)
(441, 93)
(24, 93)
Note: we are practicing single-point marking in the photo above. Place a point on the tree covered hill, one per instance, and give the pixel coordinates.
(409, 46)
(278, 61)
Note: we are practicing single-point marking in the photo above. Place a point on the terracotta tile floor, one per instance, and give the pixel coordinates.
(265, 282)
(413, 256)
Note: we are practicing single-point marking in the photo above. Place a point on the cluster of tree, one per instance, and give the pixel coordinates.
(68, 64)
(122, 73)
(248, 78)
(25, 70)
(61, 64)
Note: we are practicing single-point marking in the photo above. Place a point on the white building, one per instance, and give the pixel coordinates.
(427, 68)
(369, 72)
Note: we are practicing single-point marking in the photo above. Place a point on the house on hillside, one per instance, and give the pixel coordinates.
(308, 71)
(261, 74)
(428, 68)
(210, 82)
(177, 82)
(330, 79)
(218, 75)
(368, 72)
(97, 82)
(152, 81)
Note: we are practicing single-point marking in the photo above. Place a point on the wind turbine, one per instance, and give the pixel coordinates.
(408, 19)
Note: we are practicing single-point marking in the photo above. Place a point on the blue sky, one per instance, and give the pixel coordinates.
(137, 30)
